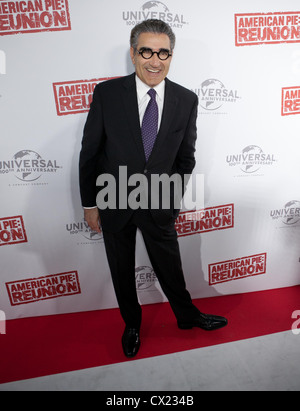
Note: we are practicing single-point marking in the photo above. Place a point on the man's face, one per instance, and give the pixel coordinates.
(152, 71)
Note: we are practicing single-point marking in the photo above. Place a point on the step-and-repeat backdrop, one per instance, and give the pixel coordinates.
(242, 58)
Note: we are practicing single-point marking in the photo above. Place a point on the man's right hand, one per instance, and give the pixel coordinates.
(91, 216)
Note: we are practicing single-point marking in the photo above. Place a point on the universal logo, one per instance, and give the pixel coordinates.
(28, 166)
(251, 160)
(154, 10)
(289, 215)
(82, 229)
(213, 94)
(145, 278)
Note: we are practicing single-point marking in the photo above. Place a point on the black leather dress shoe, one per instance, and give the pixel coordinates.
(131, 342)
(206, 322)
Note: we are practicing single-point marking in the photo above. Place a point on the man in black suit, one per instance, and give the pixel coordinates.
(145, 133)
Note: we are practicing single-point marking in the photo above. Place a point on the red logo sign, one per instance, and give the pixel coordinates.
(43, 288)
(34, 16)
(290, 101)
(235, 269)
(208, 219)
(12, 231)
(270, 28)
(73, 97)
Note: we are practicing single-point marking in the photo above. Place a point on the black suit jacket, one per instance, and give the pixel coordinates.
(112, 138)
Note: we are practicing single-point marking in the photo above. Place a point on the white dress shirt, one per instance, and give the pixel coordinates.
(143, 100)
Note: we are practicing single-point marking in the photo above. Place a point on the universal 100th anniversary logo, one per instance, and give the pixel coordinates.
(214, 96)
(28, 167)
(154, 10)
(251, 161)
(288, 215)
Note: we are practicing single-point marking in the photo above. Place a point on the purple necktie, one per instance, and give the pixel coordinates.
(150, 124)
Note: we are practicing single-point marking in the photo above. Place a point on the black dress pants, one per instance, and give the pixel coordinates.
(163, 250)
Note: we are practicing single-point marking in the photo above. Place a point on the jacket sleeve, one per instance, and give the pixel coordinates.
(185, 159)
(92, 145)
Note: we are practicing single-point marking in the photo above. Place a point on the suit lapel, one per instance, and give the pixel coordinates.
(170, 104)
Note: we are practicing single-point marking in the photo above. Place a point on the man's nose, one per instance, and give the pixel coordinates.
(155, 61)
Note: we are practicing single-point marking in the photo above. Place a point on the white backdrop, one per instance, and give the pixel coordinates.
(53, 52)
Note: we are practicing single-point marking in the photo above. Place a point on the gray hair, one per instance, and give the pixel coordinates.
(151, 26)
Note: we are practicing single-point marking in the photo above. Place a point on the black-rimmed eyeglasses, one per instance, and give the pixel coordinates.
(162, 54)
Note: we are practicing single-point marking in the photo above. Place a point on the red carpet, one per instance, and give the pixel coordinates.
(40, 346)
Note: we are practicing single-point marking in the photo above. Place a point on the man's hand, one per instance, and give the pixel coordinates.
(92, 217)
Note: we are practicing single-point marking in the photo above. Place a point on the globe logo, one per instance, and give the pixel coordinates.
(27, 162)
(211, 91)
(83, 229)
(158, 6)
(92, 235)
(213, 95)
(154, 10)
(145, 278)
(291, 213)
(251, 153)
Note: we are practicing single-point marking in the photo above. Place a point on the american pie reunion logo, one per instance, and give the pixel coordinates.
(12, 231)
(74, 97)
(290, 101)
(43, 288)
(34, 16)
(269, 28)
(202, 221)
(244, 267)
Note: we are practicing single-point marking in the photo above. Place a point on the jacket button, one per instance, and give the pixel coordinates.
(145, 171)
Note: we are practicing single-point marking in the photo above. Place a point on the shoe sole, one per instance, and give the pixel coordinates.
(190, 326)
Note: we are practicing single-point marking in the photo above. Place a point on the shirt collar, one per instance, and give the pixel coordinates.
(142, 89)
